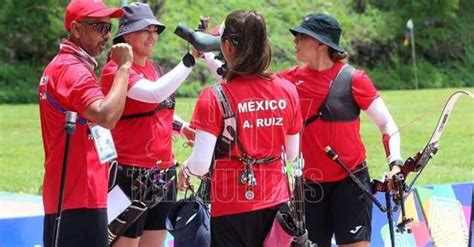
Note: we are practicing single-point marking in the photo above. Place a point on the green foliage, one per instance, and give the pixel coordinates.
(373, 31)
(443, 44)
(190, 89)
(30, 30)
(400, 75)
(435, 27)
(16, 82)
(172, 48)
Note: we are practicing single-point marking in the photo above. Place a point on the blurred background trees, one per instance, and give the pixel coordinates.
(373, 35)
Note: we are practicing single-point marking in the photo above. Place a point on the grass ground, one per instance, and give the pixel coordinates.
(416, 114)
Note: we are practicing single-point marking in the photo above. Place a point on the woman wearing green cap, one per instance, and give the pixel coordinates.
(143, 136)
(332, 93)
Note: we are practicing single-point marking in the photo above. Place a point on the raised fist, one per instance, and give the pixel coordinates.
(121, 53)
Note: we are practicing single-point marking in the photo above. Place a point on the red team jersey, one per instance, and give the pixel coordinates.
(266, 111)
(343, 137)
(143, 141)
(69, 80)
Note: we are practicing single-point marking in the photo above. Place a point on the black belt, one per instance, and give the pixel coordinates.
(165, 104)
(126, 167)
(361, 166)
(143, 114)
(252, 160)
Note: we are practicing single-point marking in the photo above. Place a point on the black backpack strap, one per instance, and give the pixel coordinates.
(143, 114)
(224, 104)
(205, 185)
(313, 118)
(168, 103)
(227, 139)
(343, 78)
(229, 135)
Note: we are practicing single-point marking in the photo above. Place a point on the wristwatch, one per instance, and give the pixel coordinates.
(188, 60)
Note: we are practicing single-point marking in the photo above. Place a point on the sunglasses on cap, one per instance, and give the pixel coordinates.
(101, 27)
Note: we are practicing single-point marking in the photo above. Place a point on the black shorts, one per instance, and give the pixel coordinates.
(79, 227)
(242, 230)
(153, 218)
(338, 208)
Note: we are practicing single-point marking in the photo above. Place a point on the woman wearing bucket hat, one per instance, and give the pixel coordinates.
(248, 182)
(332, 94)
(143, 136)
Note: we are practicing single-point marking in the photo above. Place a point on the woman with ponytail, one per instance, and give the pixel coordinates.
(248, 181)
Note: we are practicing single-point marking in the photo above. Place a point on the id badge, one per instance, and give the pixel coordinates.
(104, 144)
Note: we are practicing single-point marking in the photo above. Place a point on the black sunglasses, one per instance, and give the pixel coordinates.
(101, 27)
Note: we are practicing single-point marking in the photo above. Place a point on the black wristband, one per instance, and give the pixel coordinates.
(177, 125)
(188, 60)
(398, 163)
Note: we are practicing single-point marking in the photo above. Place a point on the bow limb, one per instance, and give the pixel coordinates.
(419, 161)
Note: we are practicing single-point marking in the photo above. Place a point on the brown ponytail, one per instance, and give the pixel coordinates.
(247, 31)
(337, 55)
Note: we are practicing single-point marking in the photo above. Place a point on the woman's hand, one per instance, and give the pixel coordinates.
(188, 133)
(197, 54)
(183, 180)
(393, 177)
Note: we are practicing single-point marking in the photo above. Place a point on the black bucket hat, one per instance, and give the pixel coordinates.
(137, 16)
(322, 27)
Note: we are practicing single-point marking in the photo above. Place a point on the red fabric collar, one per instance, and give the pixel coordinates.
(69, 47)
